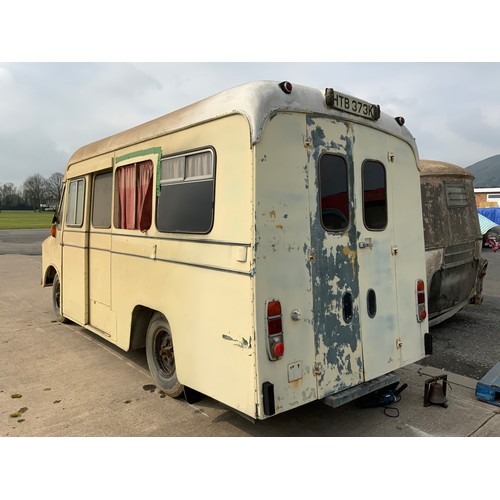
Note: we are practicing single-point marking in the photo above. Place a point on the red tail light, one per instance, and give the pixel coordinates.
(274, 324)
(420, 298)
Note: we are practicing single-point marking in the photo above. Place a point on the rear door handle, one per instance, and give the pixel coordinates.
(366, 244)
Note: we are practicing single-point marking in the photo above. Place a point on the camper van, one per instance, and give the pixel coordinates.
(453, 239)
(264, 245)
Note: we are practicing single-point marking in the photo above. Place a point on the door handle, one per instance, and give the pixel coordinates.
(368, 243)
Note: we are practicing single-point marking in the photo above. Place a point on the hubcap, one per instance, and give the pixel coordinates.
(164, 353)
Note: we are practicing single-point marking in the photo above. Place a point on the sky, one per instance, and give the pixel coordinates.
(69, 79)
(49, 109)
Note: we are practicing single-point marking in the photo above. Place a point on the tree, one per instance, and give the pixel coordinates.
(54, 189)
(34, 190)
(10, 197)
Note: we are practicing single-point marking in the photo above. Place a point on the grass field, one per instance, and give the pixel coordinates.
(25, 219)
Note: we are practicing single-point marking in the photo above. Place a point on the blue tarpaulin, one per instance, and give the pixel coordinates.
(485, 224)
(491, 213)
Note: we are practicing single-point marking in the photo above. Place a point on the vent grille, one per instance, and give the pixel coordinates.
(456, 195)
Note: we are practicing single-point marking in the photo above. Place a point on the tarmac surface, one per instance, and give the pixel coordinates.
(70, 382)
(63, 381)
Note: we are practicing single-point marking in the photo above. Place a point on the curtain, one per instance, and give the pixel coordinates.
(173, 168)
(126, 194)
(199, 165)
(144, 195)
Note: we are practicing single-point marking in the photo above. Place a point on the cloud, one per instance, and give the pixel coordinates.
(48, 110)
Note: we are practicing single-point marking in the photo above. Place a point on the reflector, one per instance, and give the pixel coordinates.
(278, 349)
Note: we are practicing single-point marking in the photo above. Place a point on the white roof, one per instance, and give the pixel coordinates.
(256, 101)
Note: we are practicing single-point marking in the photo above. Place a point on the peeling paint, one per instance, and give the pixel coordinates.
(335, 272)
(243, 343)
(351, 254)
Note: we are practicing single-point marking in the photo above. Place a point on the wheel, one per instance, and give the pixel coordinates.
(56, 299)
(160, 356)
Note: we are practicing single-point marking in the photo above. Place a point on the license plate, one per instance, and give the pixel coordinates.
(352, 105)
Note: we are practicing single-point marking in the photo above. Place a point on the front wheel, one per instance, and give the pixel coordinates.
(56, 299)
(160, 356)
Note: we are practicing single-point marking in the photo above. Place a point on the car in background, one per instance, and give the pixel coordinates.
(453, 239)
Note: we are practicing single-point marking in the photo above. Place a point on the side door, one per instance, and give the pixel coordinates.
(101, 315)
(74, 251)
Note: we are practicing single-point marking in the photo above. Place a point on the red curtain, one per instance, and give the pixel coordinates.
(135, 190)
(144, 194)
(126, 190)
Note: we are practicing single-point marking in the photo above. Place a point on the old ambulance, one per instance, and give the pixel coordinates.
(265, 246)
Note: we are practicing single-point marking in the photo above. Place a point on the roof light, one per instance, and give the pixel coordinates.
(286, 87)
(400, 120)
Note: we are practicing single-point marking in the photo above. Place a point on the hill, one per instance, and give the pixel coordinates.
(486, 172)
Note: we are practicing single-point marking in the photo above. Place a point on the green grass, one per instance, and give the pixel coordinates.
(25, 219)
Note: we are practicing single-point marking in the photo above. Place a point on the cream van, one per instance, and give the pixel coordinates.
(264, 245)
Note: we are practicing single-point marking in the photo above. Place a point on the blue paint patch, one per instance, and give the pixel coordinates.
(334, 272)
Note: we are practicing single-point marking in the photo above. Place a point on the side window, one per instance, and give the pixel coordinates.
(187, 190)
(374, 195)
(134, 194)
(101, 200)
(333, 192)
(76, 201)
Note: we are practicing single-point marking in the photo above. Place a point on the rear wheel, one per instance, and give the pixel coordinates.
(56, 299)
(160, 356)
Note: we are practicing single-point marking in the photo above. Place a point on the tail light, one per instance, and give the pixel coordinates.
(420, 297)
(274, 326)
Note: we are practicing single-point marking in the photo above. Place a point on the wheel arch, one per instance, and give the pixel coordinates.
(141, 317)
(49, 275)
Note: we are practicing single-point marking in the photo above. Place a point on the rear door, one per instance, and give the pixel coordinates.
(377, 255)
(354, 290)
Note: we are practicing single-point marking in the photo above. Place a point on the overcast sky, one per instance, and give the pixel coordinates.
(48, 110)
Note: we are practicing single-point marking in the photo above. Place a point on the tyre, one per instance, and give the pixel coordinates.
(56, 299)
(160, 356)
